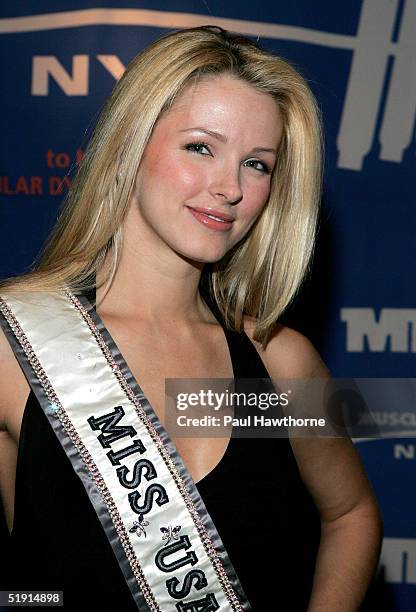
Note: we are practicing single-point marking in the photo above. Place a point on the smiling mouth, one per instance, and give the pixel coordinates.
(214, 214)
(215, 220)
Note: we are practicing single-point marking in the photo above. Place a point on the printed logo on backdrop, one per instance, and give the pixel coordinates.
(371, 49)
(394, 329)
(405, 452)
(398, 559)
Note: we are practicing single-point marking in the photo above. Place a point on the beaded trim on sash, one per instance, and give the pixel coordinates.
(166, 543)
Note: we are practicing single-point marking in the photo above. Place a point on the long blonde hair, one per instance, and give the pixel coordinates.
(259, 276)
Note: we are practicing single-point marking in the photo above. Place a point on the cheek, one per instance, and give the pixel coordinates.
(175, 173)
(182, 176)
(256, 198)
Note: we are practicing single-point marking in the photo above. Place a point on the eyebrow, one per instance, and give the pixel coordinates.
(224, 139)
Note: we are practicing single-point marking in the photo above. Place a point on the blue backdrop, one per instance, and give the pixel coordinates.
(358, 56)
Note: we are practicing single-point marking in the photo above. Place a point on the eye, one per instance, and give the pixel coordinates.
(258, 165)
(196, 147)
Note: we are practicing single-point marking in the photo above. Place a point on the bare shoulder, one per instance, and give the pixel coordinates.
(330, 467)
(14, 388)
(288, 354)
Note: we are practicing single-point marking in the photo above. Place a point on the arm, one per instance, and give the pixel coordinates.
(351, 524)
(14, 391)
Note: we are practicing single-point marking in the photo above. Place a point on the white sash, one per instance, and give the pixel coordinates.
(166, 543)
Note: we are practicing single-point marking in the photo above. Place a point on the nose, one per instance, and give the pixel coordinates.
(226, 186)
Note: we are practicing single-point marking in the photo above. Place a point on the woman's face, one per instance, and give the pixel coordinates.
(206, 171)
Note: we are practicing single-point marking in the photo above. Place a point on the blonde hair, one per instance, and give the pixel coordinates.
(259, 276)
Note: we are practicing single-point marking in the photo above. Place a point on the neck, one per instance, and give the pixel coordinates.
(157, 289)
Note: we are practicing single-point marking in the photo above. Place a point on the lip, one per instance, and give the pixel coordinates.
(202, 215)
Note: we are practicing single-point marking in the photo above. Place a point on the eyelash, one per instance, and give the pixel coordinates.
(192, 146)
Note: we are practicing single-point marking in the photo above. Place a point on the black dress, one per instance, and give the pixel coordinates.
(255, 496)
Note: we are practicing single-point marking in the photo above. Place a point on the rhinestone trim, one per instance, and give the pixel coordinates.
(59, 412)
(205, 539)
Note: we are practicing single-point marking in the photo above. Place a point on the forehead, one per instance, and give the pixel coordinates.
(228, 104)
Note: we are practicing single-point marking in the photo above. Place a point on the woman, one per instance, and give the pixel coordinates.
(206, 159)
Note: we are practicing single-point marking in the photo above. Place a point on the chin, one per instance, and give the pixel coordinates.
(204, 256)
